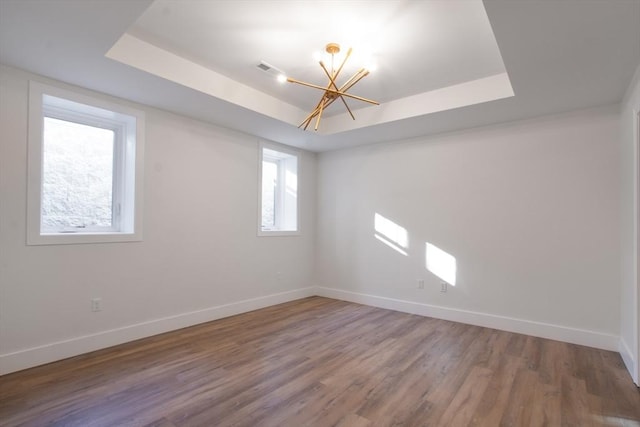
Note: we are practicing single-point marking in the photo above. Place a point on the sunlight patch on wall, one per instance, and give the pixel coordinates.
(441, 263)
(391, 234)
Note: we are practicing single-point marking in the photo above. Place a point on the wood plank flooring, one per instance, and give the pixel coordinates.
(322, 362)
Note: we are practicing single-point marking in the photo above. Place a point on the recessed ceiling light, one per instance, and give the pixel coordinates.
(274, 71)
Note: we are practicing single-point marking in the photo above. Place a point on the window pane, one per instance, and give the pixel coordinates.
(279, 191)
(269, 184)
(77, 180)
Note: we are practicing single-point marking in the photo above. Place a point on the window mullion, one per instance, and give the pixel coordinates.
(117, 192)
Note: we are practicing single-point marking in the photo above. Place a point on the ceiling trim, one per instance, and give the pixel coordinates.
(447, 98)
(147, 57)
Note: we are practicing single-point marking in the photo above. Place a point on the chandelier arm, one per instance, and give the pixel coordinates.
(332, 81)
(328, 102)
(319, 114)
(310, 116)
(351, 84)
(362, 73)
(347, 107)
(306, 125)
(315, 112)
(347, 85)
(312, 113)
(342, 65)
(338, 92)
(359, 98)
(308, 119)
(292, 80)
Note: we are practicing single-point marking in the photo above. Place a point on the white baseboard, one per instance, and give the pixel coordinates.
(629, 360)
(51, 352)
(527, 327)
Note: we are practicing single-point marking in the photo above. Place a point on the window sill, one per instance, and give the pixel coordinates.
(275, 233)
(82, 238)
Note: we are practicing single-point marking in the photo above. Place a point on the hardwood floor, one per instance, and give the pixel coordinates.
(322, 362)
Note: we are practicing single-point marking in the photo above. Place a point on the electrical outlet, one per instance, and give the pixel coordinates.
(96, 304)
(420, 284)
(443, 286)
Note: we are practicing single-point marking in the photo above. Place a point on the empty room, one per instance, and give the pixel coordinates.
(319, 213)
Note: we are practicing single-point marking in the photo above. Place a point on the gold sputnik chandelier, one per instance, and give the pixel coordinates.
(332, 91)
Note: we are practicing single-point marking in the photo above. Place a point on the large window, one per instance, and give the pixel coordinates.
(278, 191)
(85, 169)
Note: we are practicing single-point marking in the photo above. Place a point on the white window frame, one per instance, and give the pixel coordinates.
(128, 126)
(279, 204)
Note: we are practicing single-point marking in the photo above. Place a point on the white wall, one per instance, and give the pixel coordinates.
(630, 298)
(530, 210)
(200, 258)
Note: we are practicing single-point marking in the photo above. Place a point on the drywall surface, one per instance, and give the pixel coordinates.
(630, 300)
(200, 257)
(529, 210)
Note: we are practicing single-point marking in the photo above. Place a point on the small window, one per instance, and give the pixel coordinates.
(278, 191)
(85, 169)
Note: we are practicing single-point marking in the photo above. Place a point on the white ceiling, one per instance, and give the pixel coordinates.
(214, 47)
(419, 46)
(442, 65)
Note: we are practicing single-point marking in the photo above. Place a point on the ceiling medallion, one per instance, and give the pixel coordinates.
(332, 91)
